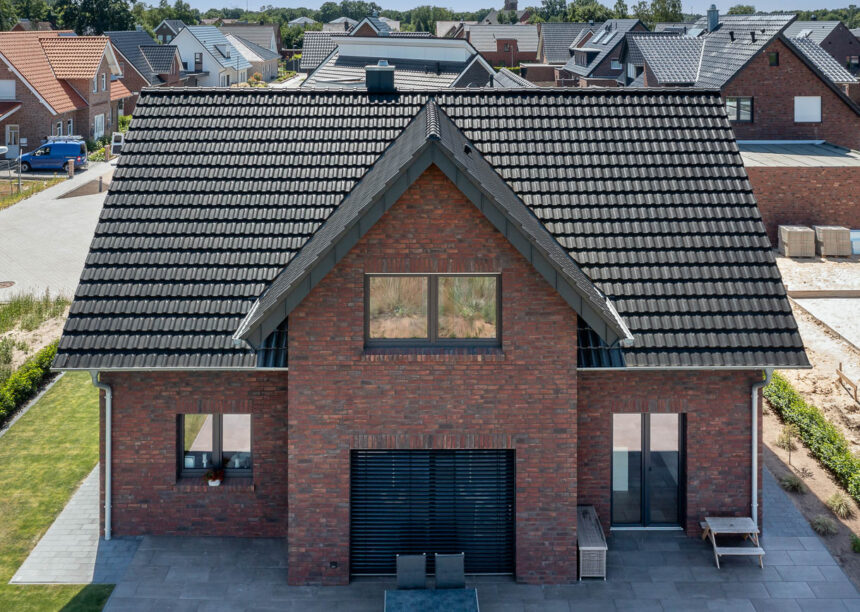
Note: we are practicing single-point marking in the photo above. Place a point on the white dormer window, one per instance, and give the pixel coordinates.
(104, 81)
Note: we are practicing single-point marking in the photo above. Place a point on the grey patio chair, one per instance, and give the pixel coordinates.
(412, 571)
(450, 572)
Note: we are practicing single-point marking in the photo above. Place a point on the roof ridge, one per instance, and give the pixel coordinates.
(433, 132)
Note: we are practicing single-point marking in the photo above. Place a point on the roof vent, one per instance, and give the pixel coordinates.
(713, 18)
(752, 35)
(732, 35)
(379, 78)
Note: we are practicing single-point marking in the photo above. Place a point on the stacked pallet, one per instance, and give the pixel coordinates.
(796, 241)
(832, 240)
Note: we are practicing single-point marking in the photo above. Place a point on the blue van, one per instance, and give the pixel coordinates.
(53, 155)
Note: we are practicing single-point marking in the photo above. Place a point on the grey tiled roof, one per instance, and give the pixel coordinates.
(128, 43)
(556, 39)
(604, 44)
(257, 53)
(258, 34)
(316, 47)
(644, 190)
(507, 79)
(175, 24)
(160, 57)
(825, 62)
(340, 72)
(209, 36)
(681, 26)
(815, 31)
(673, 60)
(723, 57)
(484, 37)
(633, 54)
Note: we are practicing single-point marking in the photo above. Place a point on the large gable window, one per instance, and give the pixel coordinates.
(432, 309)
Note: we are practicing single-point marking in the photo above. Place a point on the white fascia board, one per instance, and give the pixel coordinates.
(32, 89)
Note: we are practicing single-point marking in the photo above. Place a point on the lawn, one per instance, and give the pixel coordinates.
(44, 457)
(9, 194)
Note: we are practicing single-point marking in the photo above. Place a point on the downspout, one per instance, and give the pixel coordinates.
(768, 373)
(108, 439)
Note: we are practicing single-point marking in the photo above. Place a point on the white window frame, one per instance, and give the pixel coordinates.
(70, 127)
(615, 64)
(807, 109)
(104, 81)
(13, 128)
(59, 128)
(95, 84)
(96, 120)
(7, 89)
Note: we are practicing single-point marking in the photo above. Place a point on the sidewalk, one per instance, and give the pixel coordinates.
(44, 240)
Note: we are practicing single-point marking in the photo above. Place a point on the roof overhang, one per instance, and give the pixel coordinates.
(430, 139)
(7, 109)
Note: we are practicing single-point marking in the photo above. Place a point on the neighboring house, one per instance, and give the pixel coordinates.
(393, 24)
(833, 37)
(143, 63)
(317, 46)
(207, 54)
(168, 29)
(632, 58)
(341, 24)
(301, 21)
(521, 16)
(597, 55)
(775, 87)
(803, 183)
(553, 50)
(263, 61)
(25, 25)
(266, 35)
(403, 63)
(278, 323)
(447, 28)
(678, 27)
(503, 45)
(372, 25)
(217, 21)
(57, 85)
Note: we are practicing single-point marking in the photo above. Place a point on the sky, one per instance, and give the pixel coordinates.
(690, 6)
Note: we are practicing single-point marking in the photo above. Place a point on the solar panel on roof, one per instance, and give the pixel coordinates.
(609, 38)
(804, 33)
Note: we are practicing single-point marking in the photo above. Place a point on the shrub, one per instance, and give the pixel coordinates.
(6, 346)
(821, 437)
(824, 525)
(124, 123)
(25, 381)
(841, 505)
(793, 483)
(855, 543)
(257, 76)
(97, 155)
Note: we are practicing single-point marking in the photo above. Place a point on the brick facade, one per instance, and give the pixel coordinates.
(717, 408)
(842, 45)
(806, 196)
(522, 397)
(508, 54)
(773, 89)
(148, 498)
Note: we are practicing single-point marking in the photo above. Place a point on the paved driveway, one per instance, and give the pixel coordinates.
(663, 571)
(44, 240)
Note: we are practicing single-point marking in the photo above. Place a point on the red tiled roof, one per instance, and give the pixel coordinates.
(118, 90)
(25, 52)
(7, 108)
(75, 57)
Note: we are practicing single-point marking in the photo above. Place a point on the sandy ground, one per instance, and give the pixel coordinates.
(815, 273)
(37, 339)
(811, 504)
(842, 315)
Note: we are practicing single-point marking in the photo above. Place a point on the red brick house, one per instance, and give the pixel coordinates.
(503, 45)
(422, 331)
(833, 37)
(775, 87)
(144, 63)
(597, 55)
(55, 85)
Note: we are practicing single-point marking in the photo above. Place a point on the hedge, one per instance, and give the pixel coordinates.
(25, 381)
(824, 441)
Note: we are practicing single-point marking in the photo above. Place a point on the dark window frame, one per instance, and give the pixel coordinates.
(217, 448)
(736, 118)
(433, 340)
(773, 58)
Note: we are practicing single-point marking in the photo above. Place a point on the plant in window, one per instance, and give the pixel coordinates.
(214, 477)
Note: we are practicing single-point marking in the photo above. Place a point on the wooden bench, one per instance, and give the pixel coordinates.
(714, 526)
(591, 543)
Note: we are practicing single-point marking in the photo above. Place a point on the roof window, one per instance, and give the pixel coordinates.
(273, 352)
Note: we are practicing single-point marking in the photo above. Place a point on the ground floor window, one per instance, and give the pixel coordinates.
(210, 441)
(71, 127)
(98, 126)
(432, 501)
(647, 469)
(59, 129)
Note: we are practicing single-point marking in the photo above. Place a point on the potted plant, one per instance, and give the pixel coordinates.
(214, 477)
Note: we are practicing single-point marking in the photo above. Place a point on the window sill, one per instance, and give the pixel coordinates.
(194, 483)
(430, 354)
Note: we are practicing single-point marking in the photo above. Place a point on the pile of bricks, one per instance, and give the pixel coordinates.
(832, 240)
(796, 241)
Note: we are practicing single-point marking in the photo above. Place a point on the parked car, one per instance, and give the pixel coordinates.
(55, 155)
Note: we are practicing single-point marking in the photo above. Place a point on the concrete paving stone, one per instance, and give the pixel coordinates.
(572, 592)
(806, 573)
(852, 605)
(158, 589)
(682, 605)
(820, 605)
(524, 592)
(776, 605)
(712, 574)
(638, 605)
(811, 557)
(744, 590)
(840, 590)
(134, 604)
(833, 573)
(755, 574)
(508, 606)
(628, 574)
(670, 573)
(606, 590)
(697, 590)
(548, 605)
(203, 590)
(654, 590)
(730, 605)
(189, 573)
(776, 557)
(792, 590)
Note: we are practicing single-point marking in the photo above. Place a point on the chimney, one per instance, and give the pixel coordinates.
(732, 36)
(379, 78)
(752, 35)
(713, 18)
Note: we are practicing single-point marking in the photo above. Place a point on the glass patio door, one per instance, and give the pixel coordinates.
(647, 469)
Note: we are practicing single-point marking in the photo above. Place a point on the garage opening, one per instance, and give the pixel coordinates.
(429, 501)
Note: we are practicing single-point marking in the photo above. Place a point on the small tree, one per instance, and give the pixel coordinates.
(620, 9)
(786, 438)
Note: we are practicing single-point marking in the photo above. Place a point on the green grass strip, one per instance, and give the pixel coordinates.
(44, 457)
(821, 437)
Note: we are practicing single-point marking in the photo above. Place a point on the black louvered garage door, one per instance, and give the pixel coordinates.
(445, 501)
